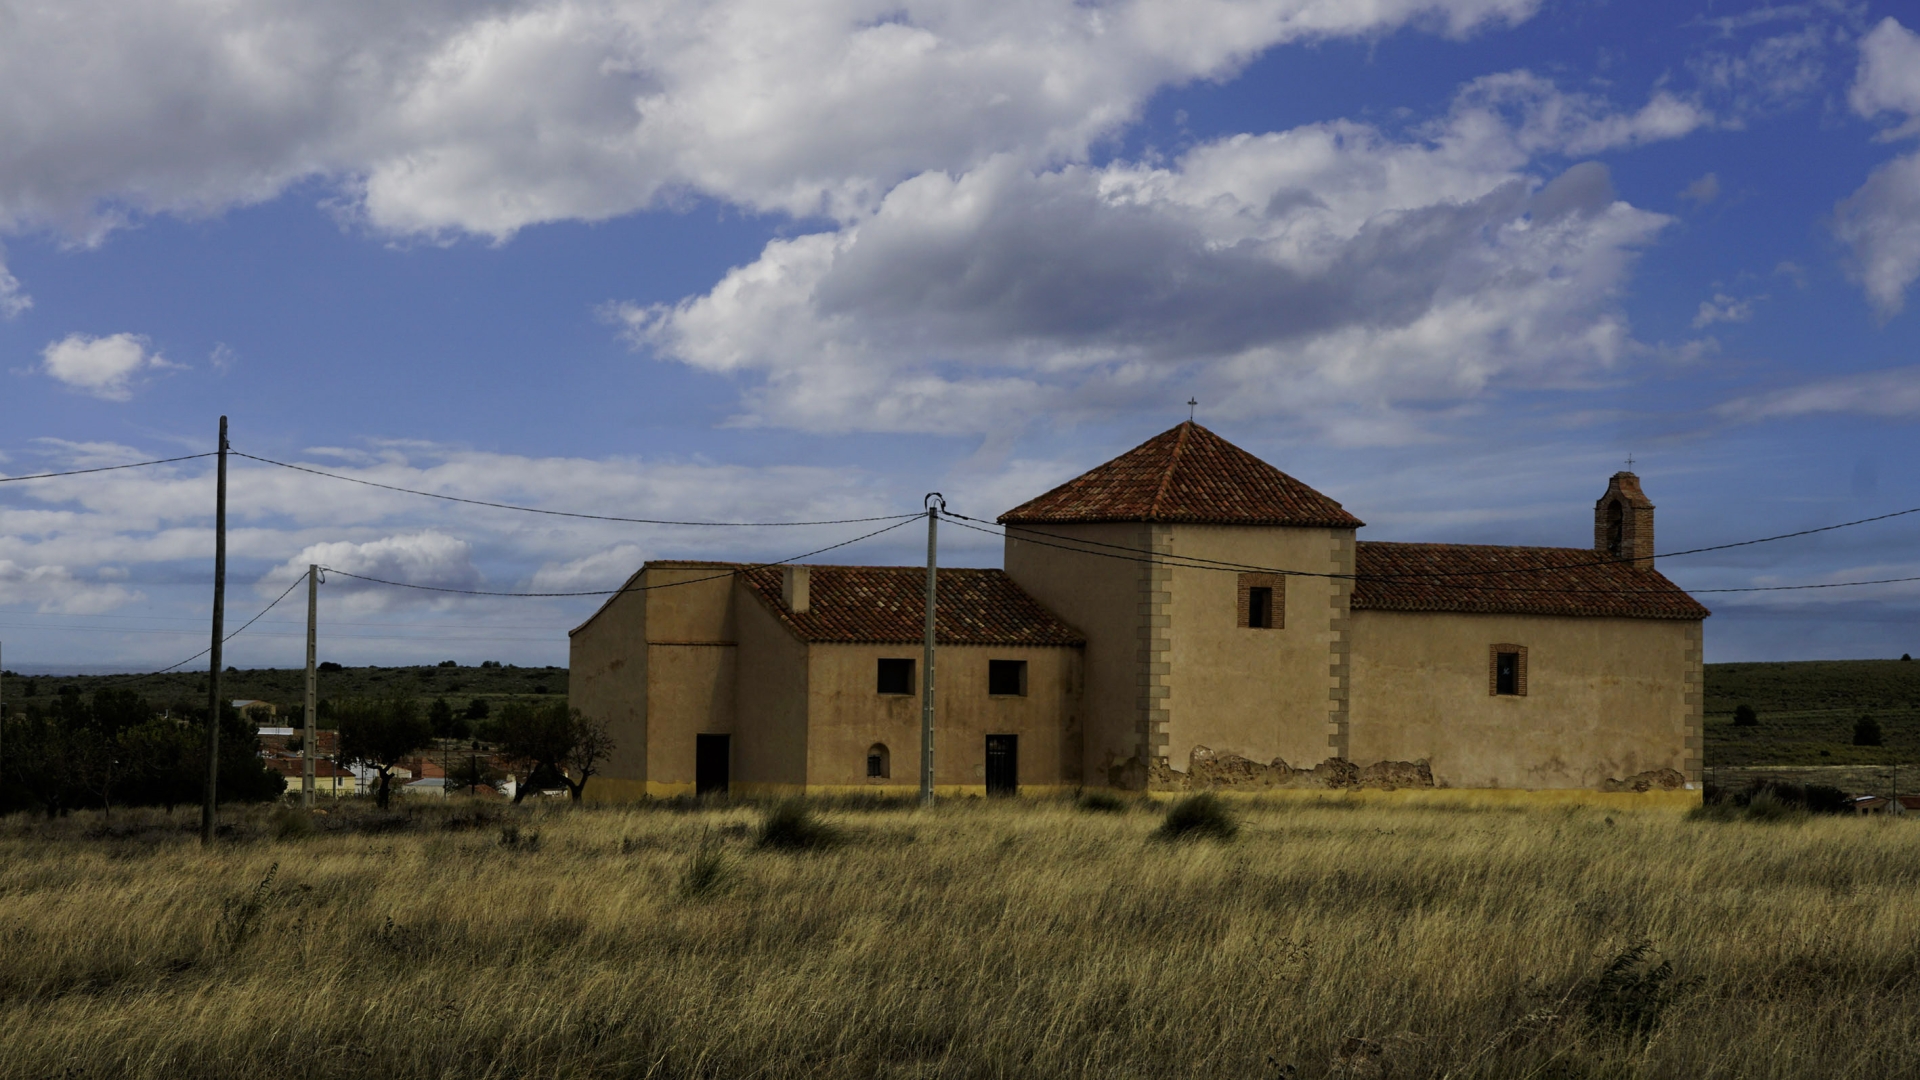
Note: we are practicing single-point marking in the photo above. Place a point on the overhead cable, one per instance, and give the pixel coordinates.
(107, 468)
(570, 514)
(1142, 555)
(625, 588)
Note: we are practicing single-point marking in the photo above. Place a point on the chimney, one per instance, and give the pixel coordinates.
(1623, 522)
(794, 587)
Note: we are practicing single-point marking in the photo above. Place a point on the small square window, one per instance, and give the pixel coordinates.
(896, 676)
(1007, 677)
(1260, 607)
(1263, 601)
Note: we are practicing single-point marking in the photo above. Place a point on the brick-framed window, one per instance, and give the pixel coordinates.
(1507, 670)
(1263, 601)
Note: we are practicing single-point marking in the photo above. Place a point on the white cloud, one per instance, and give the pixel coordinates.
(448, 116)
(1724, 308)
(1880, 223)
(1889, 76)
(102, 366)
(13, 299)
(1891, 393)
(1329, 272)
(427, 558)
(55, 589)
(1702, 191)
(603, 569)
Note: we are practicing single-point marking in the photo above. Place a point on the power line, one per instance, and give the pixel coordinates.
(1227, 567)
(624, 589)
(107, 468)
(224, 640)
(570, 514)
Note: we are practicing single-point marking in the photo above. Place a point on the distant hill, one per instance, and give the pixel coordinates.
(286, 688)
(1807, 710)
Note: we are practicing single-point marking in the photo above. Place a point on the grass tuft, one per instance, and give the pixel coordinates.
(1098, 801)
(1198, 817)
(791, 826)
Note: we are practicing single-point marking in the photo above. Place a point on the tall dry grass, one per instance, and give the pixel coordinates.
(975, 939)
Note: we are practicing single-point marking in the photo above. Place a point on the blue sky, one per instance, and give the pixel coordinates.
(1449, 261)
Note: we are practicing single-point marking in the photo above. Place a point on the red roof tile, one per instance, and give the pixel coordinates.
(1187, 474)
(879, 604)
(1512, 580)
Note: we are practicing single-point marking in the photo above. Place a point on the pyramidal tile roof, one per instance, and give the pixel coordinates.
(1188, 475)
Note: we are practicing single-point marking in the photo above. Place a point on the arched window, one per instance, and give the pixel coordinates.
(1616, 528)
(878, 765)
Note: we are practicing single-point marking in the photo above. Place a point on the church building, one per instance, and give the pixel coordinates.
(1183, 617)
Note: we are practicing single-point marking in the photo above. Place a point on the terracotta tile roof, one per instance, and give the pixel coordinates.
(885, 604)
(1187, 474)
(1512, 580)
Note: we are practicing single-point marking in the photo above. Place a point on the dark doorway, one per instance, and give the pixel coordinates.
(710, 756)
(1003, 764)
(1506, 673)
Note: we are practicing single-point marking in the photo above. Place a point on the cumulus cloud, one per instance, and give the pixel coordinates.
(427, 558)
(1724, 308)
(1702, 191)
(1890, 394)
(1330, 272)
(1880, 223)
(1889, 76)
(603, 569)
(55, 589)
(13, 299)
(105, 367)
(486, 118)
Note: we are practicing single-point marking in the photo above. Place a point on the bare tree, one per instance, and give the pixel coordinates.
(379, 733)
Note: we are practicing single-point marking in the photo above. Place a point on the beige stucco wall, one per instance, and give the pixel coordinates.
(1108, 600)
(1606, 698)
(1259, 693)
(770, 730)
(849, 715)
(607, 680)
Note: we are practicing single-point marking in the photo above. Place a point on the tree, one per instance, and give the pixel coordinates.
(555, 746)
(445, 723)
(1744, 716)
(379, 733)
(471, 772)
(1866, 732)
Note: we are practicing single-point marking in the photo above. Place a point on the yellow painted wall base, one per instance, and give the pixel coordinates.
(1516, 798)
(614, 790)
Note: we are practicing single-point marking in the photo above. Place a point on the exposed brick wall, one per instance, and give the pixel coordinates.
(1636, 521)
(1493, 668)
(1278, 612)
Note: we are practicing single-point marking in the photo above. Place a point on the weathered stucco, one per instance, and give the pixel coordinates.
(1607, 699)
(850, 716)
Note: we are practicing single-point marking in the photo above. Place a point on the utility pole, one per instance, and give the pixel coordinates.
(219, 633)
(306, 765)
(926, 686)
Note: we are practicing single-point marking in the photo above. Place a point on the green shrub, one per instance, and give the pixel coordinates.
(291, 823)
(1866, 732)
(1632, 993)
(1101, 802)
(1744, 716)
(791, 826)
(1198, 817)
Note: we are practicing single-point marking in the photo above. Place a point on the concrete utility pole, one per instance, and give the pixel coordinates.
(306, 764)
(219, 634)
(926, 686)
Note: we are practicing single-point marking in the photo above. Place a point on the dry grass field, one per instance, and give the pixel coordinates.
(1001, 939)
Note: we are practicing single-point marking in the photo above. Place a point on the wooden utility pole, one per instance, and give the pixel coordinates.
(926, 685)
(219, 634)
(306, 764)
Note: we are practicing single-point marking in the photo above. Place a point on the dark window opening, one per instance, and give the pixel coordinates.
(1003, 764)
(1616, 529)
(878, 766)
(1506, 673)
(1007, 677)
(896, 676)
(1260, 607)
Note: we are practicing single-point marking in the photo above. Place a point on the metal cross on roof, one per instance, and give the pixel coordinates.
(1629, 462)
(1191, 404)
